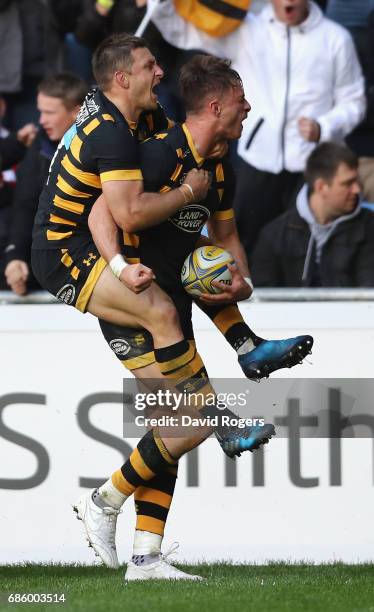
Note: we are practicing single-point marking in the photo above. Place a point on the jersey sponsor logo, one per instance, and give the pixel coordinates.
(88, 109)
(119, 346)
(191, 218)
(66, 294)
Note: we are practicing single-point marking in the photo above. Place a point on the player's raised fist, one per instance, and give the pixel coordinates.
(199, 182)
(137, 277)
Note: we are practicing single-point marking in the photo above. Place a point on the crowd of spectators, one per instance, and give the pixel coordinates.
(304, 163)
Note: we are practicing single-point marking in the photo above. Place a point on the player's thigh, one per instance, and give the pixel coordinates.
(112, 301)
(134, 347)
(70, 274)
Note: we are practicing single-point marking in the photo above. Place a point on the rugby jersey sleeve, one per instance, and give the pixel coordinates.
(159, 165)
(115, 153)
(225, 182)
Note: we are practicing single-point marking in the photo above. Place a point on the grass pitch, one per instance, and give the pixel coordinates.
(274, 587)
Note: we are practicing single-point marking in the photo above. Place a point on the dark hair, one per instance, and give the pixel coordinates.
(324, 161)
(65, 85)
(203, 75)
(113, 54)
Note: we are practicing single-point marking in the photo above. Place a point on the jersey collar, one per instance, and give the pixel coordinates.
(199, 160)
(111, 108)
(116, 113)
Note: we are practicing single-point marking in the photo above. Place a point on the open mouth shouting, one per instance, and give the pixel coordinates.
(154, 96)
(291, 13)
(289, 10)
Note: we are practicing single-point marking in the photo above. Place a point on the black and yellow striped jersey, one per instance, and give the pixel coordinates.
(100, 146)
(165, 161)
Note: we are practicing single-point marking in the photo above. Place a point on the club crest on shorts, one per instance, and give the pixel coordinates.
(119, 346)
(191, 218)
(66, 294)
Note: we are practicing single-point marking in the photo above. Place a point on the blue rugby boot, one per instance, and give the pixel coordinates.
(272, 355)
(236, 440)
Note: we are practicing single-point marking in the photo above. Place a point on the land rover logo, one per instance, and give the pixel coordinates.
(119, 346)
(191, 218)
(66, 294)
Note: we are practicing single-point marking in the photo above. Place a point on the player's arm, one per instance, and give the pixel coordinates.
(105, 234)
(107, 216)
(118, 161)
(133, 209)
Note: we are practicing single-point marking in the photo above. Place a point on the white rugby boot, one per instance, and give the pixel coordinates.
(161, 569)
(100, 525)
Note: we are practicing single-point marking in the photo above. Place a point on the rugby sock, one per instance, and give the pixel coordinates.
(231, 324)
(191, 377)
(148, 459)
(147, 547)
(152, 504)
(145, 559)
(177, 360)
(109, 495)
(187, 373)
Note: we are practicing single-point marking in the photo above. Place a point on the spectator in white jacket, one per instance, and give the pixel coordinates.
(302, 77)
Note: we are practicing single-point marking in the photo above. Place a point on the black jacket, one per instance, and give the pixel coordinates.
(31, 176)
(347, 259)
(11, 151)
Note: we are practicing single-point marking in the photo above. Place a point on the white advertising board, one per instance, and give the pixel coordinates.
(61, 431)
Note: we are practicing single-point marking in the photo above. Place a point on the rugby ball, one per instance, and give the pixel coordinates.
(204, 265)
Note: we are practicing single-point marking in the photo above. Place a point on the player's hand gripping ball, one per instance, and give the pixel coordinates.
(204, 265)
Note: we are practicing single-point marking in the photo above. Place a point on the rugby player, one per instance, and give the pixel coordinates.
(99, 154)
(216, 107)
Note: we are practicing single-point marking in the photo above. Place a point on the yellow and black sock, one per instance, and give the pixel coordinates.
(153, 500)
(149, 458)
(179, 357)
(231, 324)
(191, 377)
(183, 366)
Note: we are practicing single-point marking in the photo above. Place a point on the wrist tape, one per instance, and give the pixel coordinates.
(117, 264)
